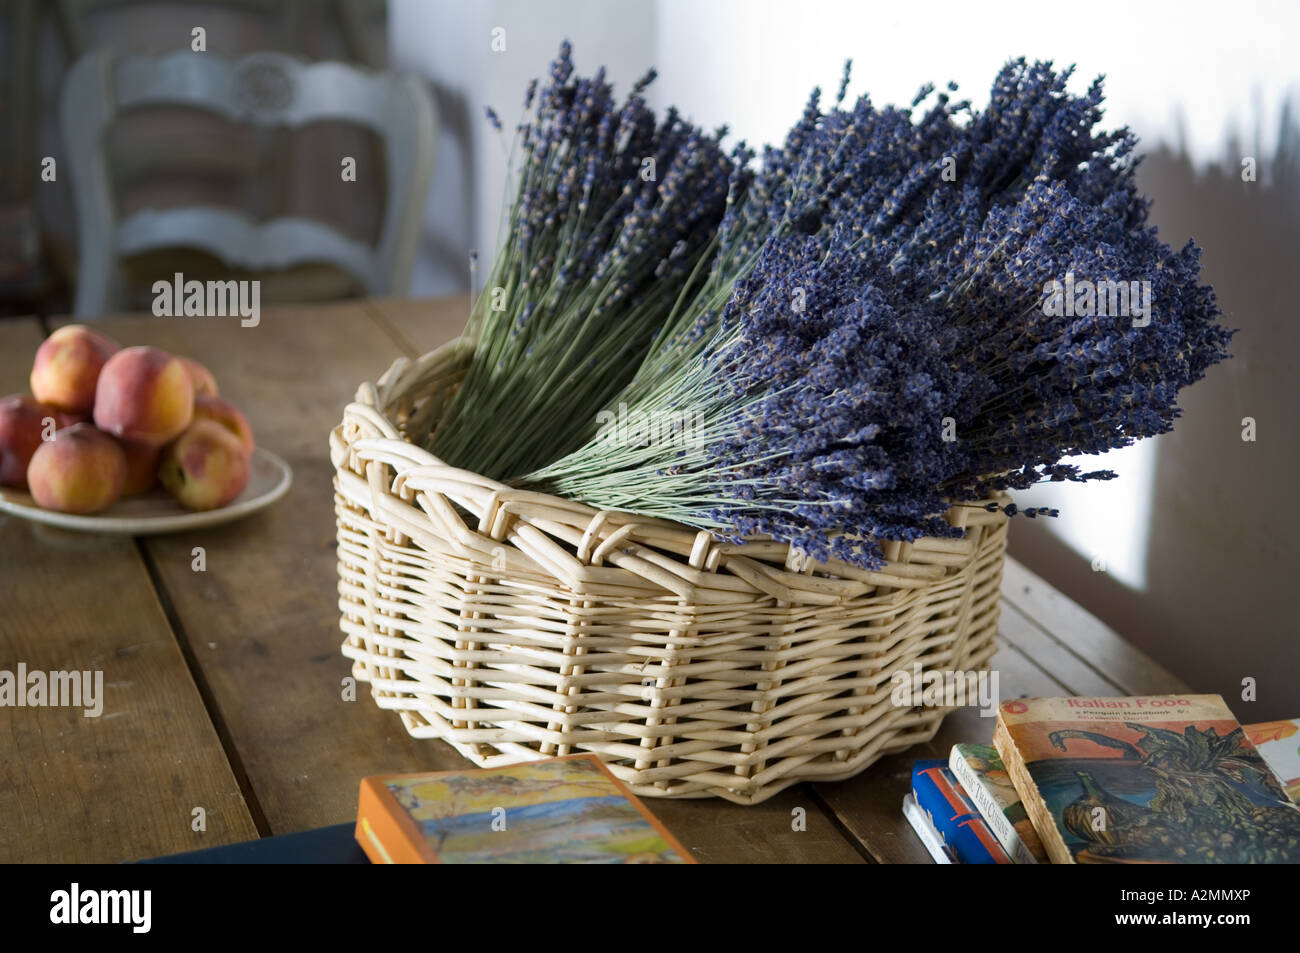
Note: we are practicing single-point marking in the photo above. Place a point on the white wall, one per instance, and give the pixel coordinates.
(1197, 68)
(434, 40)
(1192, 72)
(450, 42)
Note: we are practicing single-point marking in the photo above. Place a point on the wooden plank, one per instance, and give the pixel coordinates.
(1084, 635)
(261, 623)
(717, 831)
(421, 324)
(1076, 675)
(121, 786)
(870, 806)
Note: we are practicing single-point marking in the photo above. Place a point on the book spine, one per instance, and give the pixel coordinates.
(939, 852)
(954, 816)
(384, 830)
(1039, 813)
(989, 809)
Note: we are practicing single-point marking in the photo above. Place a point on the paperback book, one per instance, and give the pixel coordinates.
(954, 816)
(981, 774)
(1146, 779)
(569, 810)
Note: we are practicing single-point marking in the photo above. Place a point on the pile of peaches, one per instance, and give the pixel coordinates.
(103, 422)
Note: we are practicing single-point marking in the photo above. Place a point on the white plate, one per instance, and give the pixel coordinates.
(269, 479)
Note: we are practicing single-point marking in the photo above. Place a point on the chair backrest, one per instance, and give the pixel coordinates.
(264, 89)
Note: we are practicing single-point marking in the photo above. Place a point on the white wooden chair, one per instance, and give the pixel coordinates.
(265, 89)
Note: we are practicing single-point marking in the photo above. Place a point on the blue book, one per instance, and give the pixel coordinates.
(324, 845)
(954, 816)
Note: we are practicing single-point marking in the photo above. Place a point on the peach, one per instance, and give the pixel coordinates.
(82, 470)
(63, 419)
(205, 468)
(221, 411)
(67, 367)
(205, 385)
(22, 428)
(145, 396)
(141, 467)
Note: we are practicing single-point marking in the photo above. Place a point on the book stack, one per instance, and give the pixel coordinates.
(1143, 779)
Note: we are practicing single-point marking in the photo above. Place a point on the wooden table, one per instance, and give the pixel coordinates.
(223, 687)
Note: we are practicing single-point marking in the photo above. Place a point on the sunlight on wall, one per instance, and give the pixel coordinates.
(1107, 522)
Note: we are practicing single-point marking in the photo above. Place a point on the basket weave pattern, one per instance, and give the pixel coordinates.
(518, 625)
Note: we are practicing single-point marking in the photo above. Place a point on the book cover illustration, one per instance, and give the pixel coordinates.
(982, 775)
(564, 810)
(953, 814)
(1155, 779)
(1278, 743)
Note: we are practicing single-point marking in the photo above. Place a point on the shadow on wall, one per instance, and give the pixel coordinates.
(1220, 603)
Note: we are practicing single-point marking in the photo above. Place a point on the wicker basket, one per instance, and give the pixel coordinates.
(518, 625)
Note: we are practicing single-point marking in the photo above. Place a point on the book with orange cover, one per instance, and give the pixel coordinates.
(1145, 779)
(569, 810)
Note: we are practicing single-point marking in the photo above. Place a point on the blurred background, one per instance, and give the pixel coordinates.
(1191, 554)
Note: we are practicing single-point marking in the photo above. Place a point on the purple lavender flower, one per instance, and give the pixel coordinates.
(614, 211)
(863, 304)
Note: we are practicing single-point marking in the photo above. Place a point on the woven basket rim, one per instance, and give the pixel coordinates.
(597, 535)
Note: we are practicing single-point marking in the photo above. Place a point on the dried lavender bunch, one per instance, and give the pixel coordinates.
(923, 317)
(840, 165)
(613, 213)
